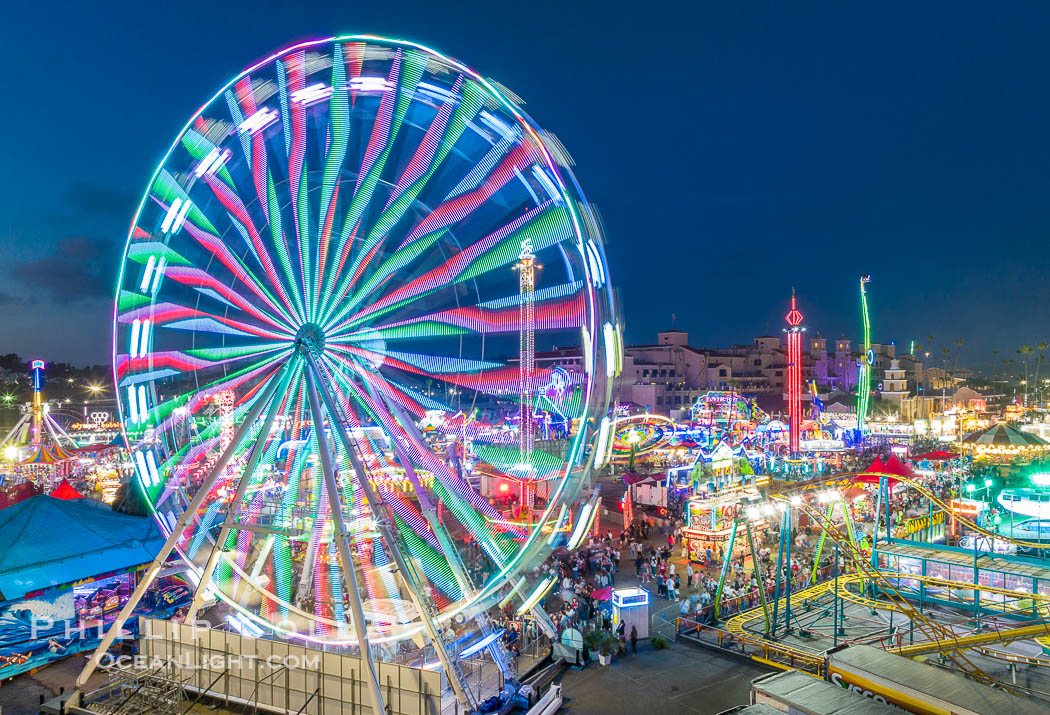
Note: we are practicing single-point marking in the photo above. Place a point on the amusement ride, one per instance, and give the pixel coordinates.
(350, 237)
(325, 342)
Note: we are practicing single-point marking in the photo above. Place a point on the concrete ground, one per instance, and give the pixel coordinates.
(21, 695)
(679, 679)
(682, 678)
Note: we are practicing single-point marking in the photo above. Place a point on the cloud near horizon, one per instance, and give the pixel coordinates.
(77, 268)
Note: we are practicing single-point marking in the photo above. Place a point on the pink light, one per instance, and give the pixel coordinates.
(794, 375)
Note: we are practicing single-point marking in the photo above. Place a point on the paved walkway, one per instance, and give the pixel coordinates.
(682, 678)
(21, 694)
(679, 679)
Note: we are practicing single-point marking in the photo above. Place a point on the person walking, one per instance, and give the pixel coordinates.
(634, 640)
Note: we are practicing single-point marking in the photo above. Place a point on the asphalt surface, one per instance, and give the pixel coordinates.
(682, 678)
(679, 679)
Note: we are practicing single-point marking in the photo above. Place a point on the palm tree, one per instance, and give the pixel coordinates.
(1039, 361)
(947, 352)
(958, 349)
(1025, 350)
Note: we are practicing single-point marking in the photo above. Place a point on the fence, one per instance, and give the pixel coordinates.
(272, 675)
(747, 601)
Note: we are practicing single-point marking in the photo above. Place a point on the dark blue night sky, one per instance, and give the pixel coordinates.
(734, 149)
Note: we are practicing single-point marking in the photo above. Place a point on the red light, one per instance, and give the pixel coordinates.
(504, 487)
(794, 375)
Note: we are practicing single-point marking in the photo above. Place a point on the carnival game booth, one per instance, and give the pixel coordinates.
(709, 525)
(66, 568)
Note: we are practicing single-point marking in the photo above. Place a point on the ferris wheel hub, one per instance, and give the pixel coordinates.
(309, 339)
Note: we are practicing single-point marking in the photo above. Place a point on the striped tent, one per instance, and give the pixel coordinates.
(59, 453)
(1003, 435)
(42, 455)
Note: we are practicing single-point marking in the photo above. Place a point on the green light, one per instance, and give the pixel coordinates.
(971, 488)
(1040, 479)
(987, 482)
(864, 383)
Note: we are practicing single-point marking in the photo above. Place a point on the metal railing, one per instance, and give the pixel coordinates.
(771, 653)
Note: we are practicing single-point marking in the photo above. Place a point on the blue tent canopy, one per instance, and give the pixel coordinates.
(47, 542)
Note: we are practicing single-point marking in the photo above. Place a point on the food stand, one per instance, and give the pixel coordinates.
(709, 525)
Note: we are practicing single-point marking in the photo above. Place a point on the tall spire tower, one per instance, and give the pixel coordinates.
(867, 360)
(794, 373)
(526, 268)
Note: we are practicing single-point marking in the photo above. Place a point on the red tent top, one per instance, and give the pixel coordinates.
(891, 467)
(935, 456)
(92, 448)
(65, 490)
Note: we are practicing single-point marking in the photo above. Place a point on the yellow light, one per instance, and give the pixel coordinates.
(11, 453)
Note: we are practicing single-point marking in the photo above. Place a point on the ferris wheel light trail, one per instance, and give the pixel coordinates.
(235, 505)
(383, 522)
(353, 207)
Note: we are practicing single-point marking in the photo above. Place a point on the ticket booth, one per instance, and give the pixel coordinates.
(631, 605)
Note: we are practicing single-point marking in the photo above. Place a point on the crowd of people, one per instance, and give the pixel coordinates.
(656, 552)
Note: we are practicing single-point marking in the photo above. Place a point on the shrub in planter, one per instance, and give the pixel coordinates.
(658, 642)
(593, 640)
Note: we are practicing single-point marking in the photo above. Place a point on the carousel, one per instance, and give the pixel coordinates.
(1003, 444)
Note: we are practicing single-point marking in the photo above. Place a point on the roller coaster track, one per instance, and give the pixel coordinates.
(840, 480)
(737, 624)
(933, 631)
(938, 637)
(957, 643)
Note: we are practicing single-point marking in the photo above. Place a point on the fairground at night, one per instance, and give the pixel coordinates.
(338, 380)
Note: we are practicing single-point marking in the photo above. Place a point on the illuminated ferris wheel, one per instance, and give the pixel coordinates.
(333, 307)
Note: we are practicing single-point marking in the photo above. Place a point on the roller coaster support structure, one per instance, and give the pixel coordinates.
(728, 556)
(758, 576)
(783, 562)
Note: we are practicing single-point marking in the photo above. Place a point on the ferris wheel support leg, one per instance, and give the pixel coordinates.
(335, 505)
(235, 506)
(183, 522)
(426, 610)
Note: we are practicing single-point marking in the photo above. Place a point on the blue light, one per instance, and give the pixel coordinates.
(481, 644)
